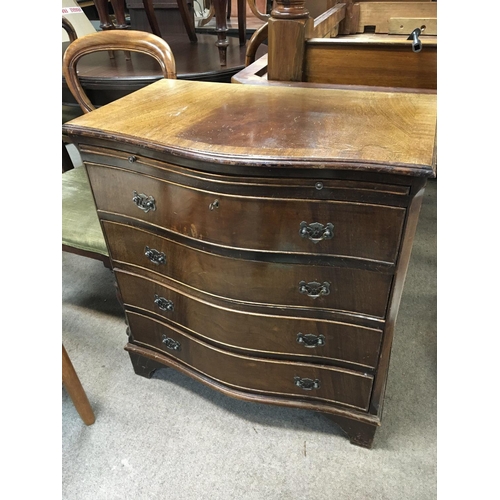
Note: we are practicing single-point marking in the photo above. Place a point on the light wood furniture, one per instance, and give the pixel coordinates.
(75, 390)
(261, 242)
(359, 44)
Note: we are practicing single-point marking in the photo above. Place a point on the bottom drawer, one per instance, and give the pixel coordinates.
(319, 382)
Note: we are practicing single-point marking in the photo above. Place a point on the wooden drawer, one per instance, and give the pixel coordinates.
(340, 386)
(347, 289)
(259, 333)
(359, 230)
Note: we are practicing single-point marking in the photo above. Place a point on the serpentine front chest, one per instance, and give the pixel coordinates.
(260, 244)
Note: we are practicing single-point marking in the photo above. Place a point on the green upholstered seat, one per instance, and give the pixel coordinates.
(80, 225)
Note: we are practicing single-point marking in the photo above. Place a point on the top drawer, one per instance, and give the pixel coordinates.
(262, 223)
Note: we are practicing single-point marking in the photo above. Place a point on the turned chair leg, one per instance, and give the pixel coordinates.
(75, 390)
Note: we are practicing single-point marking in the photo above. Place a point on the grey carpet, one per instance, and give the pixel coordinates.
(173, 438)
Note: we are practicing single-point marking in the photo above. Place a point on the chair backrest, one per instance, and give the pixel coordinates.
(127, 40)
(70, 29)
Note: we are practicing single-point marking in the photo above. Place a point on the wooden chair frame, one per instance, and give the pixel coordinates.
(129, 40)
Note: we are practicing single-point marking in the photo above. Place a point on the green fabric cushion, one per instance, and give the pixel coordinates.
(80, 226)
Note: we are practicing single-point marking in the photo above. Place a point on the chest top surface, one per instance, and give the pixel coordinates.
(231, 123)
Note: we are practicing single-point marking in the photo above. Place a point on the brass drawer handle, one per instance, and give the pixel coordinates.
(310, 340)
(307, 384)
(314, 289)
(155, 256)
(315, 231)
(163, 303)
(170, 343)
(144, 202)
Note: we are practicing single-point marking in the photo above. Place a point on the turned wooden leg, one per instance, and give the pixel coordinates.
(359, 433)
(222, 42)
(150, 14)
(75, 390)
(144, 367)
(102, 12)
(242, 21)
(119, 10)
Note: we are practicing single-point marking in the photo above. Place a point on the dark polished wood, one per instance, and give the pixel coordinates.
(345, 387)
(246, 331)
(356, 291)
(162, 18)
(143, 366)
(202, 203)
(105, 80)
(273, 219)
(70, 30)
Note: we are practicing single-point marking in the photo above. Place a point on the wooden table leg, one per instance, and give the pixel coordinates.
(75, 390)
(222, 42)
(119, 10)
(102, 12)
(105, 20)
(187, 19)
(242, 21)
(150, 14)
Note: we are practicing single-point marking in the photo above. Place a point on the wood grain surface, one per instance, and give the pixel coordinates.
(255, 125)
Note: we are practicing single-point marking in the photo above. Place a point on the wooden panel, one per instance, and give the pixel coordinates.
(360, 230)
(325, 24)
(378, 13)
(405, 25)
(351, 290)
(286, 49)
(377, 65)
(345, 387)
(256, 333)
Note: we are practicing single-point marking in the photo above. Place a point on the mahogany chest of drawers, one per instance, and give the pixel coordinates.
(260, 243)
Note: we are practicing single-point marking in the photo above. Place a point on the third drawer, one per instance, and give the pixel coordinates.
(321, 340)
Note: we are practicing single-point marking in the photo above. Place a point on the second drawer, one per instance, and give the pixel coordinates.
(296, 285)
